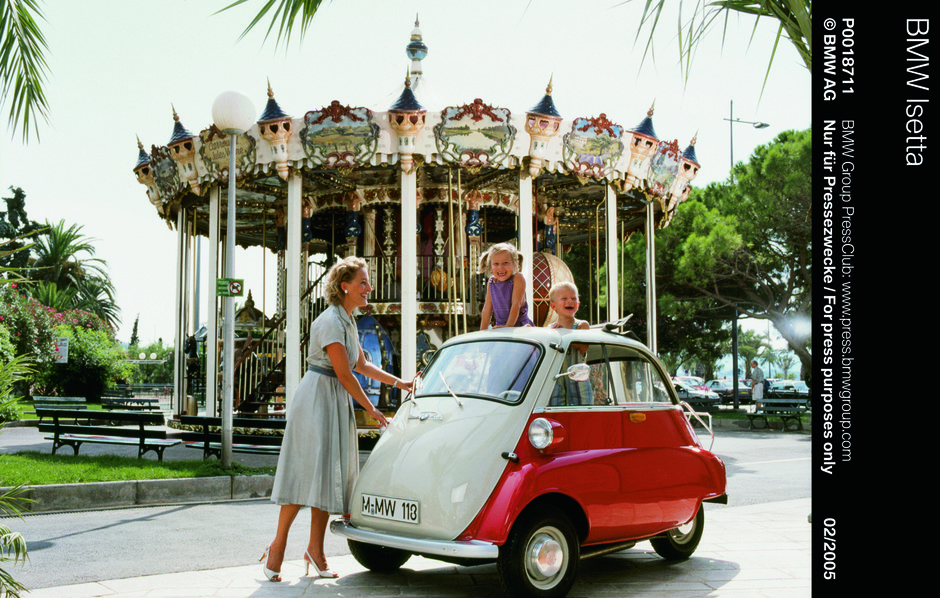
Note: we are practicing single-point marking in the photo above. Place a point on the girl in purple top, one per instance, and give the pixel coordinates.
(505, 290)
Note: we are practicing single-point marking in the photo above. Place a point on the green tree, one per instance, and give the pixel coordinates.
(95, 363)
(135, 340)
(63, 256)
(767, 273)
(15, 230)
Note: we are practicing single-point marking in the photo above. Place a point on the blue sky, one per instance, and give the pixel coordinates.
(117, 67)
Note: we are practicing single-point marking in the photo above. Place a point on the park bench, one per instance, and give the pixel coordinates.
(145, 430)
(209, 437)
(788, 409)
(57, 403)
(131, 404)
(121, 391)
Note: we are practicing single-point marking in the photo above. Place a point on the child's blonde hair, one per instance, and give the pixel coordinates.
(564, 284)
(514, 255)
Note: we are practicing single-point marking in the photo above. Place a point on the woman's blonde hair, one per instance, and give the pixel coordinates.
(341, 272)
(514, 255)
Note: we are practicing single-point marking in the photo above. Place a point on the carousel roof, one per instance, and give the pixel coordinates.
(472, 146)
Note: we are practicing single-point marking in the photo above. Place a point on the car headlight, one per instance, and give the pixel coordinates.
(540, 433)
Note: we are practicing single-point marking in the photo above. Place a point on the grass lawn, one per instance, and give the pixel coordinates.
(33, 468)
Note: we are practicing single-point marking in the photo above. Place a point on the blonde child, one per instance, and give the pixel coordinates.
(505, 290)
(563, 300)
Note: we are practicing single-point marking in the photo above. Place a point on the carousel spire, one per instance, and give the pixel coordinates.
(406, 117)
(542, 123)
(688, 170)
(643, 144)
(275, 127)
(144, 173)
(180, 133)
(689, 153)
(416, 49)
(182, 148)
(143, 158)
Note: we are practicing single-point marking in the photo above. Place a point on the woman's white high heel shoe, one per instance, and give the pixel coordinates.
(271, 575)
(327, 573)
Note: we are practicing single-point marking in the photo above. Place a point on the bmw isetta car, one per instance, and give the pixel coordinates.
(534, 448)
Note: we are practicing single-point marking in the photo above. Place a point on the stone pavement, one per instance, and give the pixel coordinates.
(754, 551)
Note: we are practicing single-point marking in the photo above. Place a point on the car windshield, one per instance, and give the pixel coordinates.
(491, 369)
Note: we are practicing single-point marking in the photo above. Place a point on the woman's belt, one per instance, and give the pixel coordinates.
(321, 370)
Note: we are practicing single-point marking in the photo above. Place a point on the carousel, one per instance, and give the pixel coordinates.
(419, 193)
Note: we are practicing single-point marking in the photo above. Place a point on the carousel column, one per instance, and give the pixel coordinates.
(525, 234)
(613, 241)
(180, 320)
(406, 117)
(651, 279)
(294, 368)
(212, 336)
(409, 274)
(474, 231)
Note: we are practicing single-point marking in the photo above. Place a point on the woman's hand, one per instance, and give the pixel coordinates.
(378, 416)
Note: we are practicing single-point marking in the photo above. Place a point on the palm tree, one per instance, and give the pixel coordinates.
(794, 19)
(64, 262)
(23, 65)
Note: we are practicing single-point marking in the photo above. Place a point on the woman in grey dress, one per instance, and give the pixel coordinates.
(319, 459)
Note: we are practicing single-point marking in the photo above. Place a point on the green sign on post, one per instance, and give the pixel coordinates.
(229, 287)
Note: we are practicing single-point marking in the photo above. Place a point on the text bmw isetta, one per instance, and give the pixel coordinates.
(533, 448)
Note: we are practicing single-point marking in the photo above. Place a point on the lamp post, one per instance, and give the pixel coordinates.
(233, 113)
(734, 317)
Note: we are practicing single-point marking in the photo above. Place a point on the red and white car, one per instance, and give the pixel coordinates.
(533, 448)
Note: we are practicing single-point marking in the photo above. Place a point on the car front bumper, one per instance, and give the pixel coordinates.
(472, 549)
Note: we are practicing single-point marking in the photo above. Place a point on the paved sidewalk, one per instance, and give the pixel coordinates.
(756, 551)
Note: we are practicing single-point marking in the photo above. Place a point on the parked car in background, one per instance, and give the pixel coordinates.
(533, 448)
(724, 390)
(786, 389)
(700, 400)
(693, 381)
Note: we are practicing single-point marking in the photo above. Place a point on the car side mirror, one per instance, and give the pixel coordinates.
(579, 372)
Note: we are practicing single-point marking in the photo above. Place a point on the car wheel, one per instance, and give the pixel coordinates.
(540, 558)
(379, 559)
(679, 543)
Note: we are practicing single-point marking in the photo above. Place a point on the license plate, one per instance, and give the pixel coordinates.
(393, 509)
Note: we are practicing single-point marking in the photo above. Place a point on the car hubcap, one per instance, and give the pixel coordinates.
(545, 556)
(681, 534)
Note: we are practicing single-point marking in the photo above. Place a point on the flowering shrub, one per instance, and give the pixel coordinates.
(30, 325)
(94, 362)
(32, 329)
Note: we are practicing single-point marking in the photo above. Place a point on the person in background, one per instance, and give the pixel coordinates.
(757, 382)
(319, 459)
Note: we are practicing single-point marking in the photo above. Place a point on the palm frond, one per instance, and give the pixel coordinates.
(23, 66)
(795, 18)
(285, 11)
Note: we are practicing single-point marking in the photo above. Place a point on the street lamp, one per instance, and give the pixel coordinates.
(233, 113)
(734, 318)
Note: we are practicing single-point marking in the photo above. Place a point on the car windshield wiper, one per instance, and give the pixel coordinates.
(449, 389)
